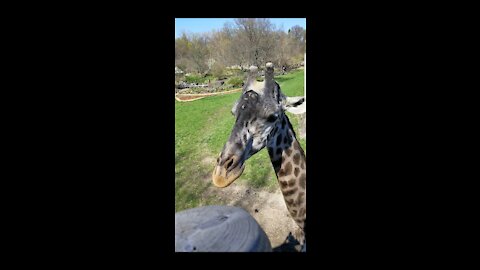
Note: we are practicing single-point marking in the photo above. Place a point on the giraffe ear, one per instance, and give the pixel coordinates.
(295, 105)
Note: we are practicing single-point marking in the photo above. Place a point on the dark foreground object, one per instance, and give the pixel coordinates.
(219, 229)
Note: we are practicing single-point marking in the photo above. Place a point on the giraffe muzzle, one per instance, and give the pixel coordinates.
(228, 171)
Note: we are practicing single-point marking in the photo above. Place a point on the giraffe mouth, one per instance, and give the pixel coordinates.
(223, 178)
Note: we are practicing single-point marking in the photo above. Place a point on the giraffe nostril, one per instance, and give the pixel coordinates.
(229, 164)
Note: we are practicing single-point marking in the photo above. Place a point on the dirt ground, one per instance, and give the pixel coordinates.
(268, 209)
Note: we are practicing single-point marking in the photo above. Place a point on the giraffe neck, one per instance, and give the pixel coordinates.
(289, 163)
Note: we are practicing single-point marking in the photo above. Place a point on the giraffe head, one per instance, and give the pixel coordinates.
(257, 111)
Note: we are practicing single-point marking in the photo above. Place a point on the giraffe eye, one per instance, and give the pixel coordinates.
(272, 118)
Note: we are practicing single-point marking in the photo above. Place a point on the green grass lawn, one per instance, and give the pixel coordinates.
(201, 129)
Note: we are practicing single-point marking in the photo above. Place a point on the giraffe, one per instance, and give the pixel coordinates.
(261, 122)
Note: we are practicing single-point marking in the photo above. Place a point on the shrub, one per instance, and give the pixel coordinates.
(194, 79)
(235, 81)
(208, 78)
(217, 70)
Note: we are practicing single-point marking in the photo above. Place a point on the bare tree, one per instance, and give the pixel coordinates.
(255, 36)
(282, 50)
(182, 52)
(297, 35)
(219, 47)
(199, 52)
(244, 43)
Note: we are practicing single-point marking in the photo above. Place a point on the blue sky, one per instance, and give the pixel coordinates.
(200, 25)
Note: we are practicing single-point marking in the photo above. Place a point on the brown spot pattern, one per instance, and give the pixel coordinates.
(302, 180)
(299, 219)
(295, 145)
(296, 158)
(300, 198)
(290, 192)
(292, 182)
(288, 168)
(301, 212)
